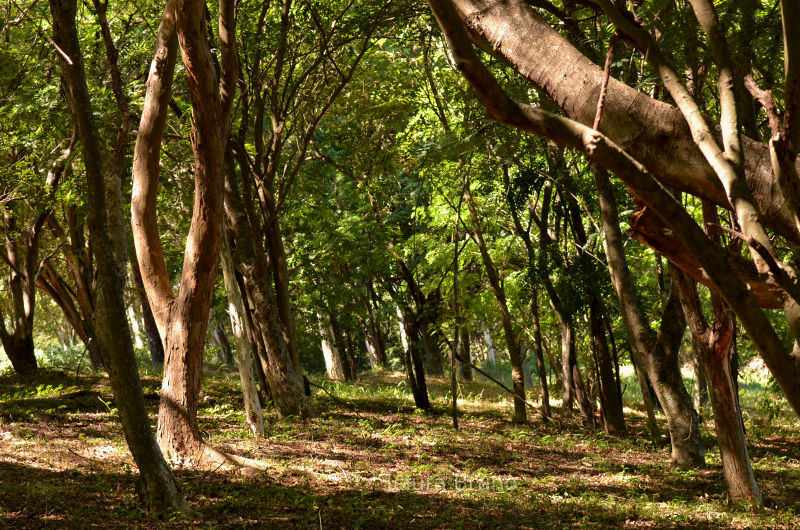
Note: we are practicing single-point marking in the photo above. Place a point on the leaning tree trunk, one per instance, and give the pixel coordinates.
(517, 377)
(658, 353)
(245, 357)
(283, 375)
(158, 486)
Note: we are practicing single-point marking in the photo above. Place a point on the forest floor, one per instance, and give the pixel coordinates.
(376, 463)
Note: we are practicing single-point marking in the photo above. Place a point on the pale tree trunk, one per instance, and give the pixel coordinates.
(333, 361)
(158, 487)
(517, 377)
(135, 329)
(371, 352)
(489, 343)
(245, 357)
(658, 353)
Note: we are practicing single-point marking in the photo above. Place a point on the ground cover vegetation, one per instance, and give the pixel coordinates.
(381, 263)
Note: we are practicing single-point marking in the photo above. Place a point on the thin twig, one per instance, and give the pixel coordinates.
(604, 85)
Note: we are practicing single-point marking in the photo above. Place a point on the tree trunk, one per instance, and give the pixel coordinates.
(219, 336)
(714, 348)
(341, 349)
(154, 342)
(351, 351)
(658, 353)
(517, 377)
(611, 413)
(333, 362)
(245, 357)
(20, 351)
(464, 352)
(538, 351)
(376, 336)
(158, 486)
(487, 340)
(412, 359)
(284, 376)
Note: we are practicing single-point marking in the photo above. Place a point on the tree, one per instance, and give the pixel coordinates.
(158, 487)
(182, 318)
(734, 174)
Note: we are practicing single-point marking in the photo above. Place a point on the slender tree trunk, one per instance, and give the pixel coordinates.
(158, 486)
(333, 362)
(341, 349)
(613, 419)
(538, 351)
(351, 351)
(487, 340)
(412, 359)
(284, 377)
(517, 377)
(377, 338)
(245, 357)
(154, 343)
(464, 352)
(219, 336)
(658, 353)
(567, 359)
